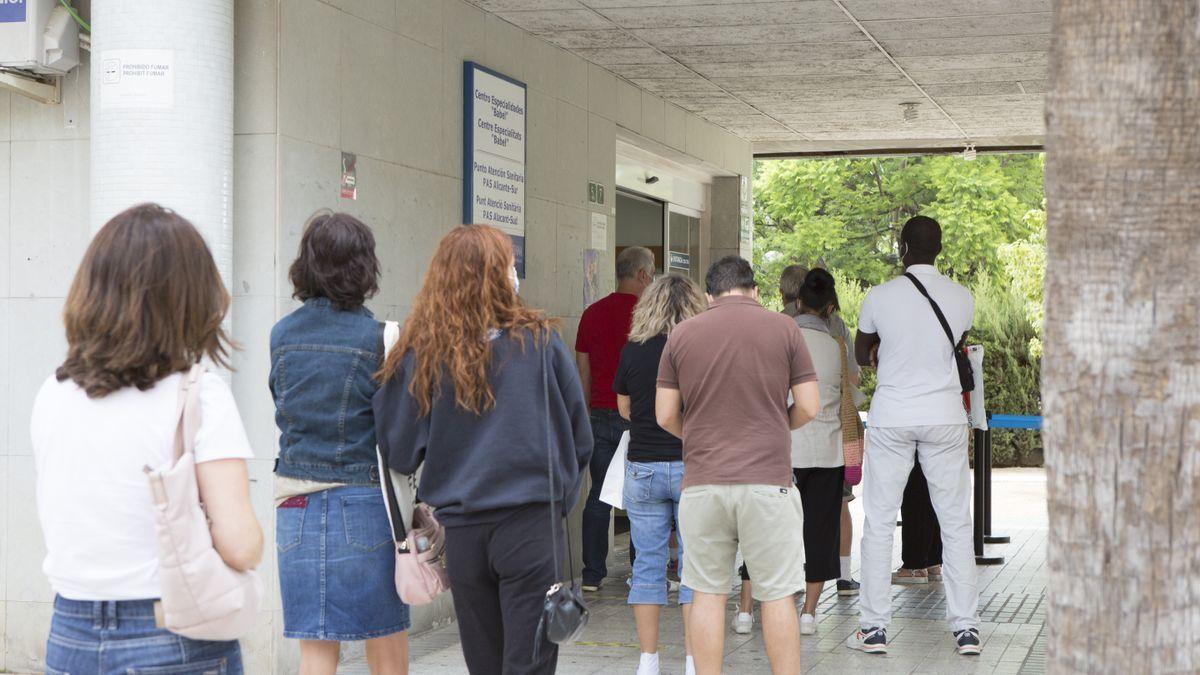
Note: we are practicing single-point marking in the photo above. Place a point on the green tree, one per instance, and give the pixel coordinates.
(846, 215)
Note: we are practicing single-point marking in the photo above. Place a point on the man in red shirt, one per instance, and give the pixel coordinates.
(603, 331)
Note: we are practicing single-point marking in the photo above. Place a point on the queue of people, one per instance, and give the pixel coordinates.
(737, 434)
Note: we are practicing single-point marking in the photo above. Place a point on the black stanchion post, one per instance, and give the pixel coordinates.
(981, 499)
(988, 537)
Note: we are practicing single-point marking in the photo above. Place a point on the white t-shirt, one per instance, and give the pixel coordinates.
(92, 494)
(918, 379)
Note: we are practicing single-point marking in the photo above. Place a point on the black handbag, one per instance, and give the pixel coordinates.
(564, 613)
(966, 374)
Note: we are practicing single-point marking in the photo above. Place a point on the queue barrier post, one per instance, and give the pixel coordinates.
(983, 482)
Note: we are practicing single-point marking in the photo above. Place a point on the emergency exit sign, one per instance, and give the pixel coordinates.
(595, 192)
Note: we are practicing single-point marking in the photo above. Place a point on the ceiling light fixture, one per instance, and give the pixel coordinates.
(910, 112)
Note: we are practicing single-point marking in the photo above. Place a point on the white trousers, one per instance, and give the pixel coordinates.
(887, 464)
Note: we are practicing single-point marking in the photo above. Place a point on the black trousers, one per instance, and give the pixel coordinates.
(821, 493)
(499, 573)
(920, 537)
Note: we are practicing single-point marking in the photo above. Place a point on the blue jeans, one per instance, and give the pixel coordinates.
(607, 427)
(652, 503)
(120, 638)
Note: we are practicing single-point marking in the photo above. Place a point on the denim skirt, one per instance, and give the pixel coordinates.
(119, 637)
(337, 566)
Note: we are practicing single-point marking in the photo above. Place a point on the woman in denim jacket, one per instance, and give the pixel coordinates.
(334, 544)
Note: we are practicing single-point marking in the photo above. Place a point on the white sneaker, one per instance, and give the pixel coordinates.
(743, 623)
(808, 624)
(648, 664)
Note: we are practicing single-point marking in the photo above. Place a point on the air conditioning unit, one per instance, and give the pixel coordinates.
(38, 37)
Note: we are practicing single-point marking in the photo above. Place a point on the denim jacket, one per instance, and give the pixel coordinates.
(323, 362)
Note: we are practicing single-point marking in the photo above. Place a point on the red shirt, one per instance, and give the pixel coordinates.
(603, 331)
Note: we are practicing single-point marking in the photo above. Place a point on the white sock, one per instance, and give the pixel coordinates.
(648, 664)
(845, 568)
(689, 666)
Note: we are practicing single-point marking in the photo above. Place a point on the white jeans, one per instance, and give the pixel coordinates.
(888, 462)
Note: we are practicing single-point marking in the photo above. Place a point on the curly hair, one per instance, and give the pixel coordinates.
(146, 302)
(671, 299)
(467, 293)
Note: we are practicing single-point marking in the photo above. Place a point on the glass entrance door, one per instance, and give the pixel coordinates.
(683, 242)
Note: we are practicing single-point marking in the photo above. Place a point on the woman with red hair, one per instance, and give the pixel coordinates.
(481, 389)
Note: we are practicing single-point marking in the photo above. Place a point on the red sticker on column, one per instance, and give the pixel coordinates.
(295, 502)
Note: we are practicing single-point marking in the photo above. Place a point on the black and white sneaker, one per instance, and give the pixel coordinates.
(869, 640)
(968, 642)
(847, 587)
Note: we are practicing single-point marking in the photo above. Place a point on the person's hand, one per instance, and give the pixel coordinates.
(875, 355)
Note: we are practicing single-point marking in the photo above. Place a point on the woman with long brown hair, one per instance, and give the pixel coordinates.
(482, 390)
(146, 305)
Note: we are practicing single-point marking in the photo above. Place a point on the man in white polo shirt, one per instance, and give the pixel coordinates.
(917, 410)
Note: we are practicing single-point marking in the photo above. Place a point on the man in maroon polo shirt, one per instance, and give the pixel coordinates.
(603, 331)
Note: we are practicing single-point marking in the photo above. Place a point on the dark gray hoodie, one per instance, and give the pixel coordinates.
(478, 466)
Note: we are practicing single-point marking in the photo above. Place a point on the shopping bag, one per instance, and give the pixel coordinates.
(614, 481)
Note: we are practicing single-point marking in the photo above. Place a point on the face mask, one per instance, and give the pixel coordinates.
(516, 281)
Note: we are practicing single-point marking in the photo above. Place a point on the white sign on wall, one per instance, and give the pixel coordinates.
(494, 153)
(137, 78)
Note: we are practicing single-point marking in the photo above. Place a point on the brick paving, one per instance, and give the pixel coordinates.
(1012, 608)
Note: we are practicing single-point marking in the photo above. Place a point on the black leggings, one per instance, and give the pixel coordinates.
(499, 573)
(920, 536)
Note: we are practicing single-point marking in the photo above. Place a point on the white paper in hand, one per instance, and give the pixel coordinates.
(614, 481)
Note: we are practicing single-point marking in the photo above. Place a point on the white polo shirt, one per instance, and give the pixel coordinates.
(918, 379)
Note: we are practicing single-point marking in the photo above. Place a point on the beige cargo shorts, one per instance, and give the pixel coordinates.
(765, 521)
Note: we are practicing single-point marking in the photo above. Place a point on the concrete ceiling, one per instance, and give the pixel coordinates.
(821, 75)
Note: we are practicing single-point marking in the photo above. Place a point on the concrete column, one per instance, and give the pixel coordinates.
(162, 113)
(726, 206)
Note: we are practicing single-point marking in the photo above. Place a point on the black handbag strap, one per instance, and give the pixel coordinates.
(399, 533)
(936, 310)
(546, 347)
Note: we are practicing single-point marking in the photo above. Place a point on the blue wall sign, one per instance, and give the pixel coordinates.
(12, 11)
(494, 153)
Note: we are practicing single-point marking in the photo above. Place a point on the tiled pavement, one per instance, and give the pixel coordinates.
(1012, 607)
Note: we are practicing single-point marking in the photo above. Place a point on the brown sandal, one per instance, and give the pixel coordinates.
(908, 577)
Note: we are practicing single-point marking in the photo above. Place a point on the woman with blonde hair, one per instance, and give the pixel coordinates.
(482, 391)
(654, 463)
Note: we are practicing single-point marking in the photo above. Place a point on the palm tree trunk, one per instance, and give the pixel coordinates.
(1121, 372)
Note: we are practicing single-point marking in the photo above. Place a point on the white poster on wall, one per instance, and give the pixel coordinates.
(137, 78)
(599, 231)
(494, 119)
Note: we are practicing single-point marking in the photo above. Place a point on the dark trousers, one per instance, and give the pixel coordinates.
(499, 573)
(821, 494)
(607, 427)
(920, 537)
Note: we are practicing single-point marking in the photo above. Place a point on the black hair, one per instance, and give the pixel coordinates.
(337, 261)
(727, 274)
(818, 290)
(923, 237)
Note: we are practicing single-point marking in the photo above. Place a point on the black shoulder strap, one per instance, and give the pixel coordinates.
(393, 504)
(936, 310)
